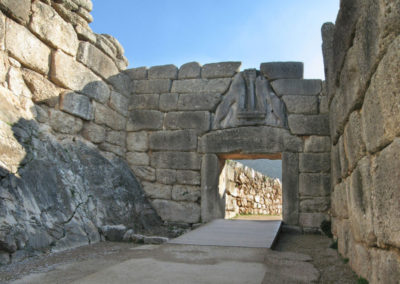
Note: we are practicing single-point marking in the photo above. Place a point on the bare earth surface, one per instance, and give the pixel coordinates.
(80, 263)
(332, 267)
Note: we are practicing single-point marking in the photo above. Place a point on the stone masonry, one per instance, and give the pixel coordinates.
(249, 192)
(183, 122)
(362, 59)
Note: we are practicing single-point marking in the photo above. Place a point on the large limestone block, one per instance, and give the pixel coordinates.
(344, 162)
(12, 153)
(317, 144)
(301, 104)
(312, 220)
(157, 190)
(64, 123)
(76, 104)
(221, 69)
(85, 4)
(360, 202)
(144, 172)
(25, 47)
(52, 29)
(16, 83)
(166, 176)
(282, 70)
(314, 184)
(116, 137)
(190, 70)
(145, 120)
(335, 165)
(201, 85)
(186, 193)
(115, 149)
(119, 103)
(339, 205)
(360, 259)
(353, 142)
(169, 71)
(19, 10)
(199, 120)
(299, 87)
(43, 91)
(137, 141)
(385, 266)
(309, 124)
(94, 132)
(188, 177)
(381, 109)
(145, 101)
(180, 140)
(138, 158)
(96, 60)
(185, 212)
(290, 188)
(155, 86)
(176, 160)
(73, 75)
(168, 102)
(315, 162)
(139, 73)
(315, 204)
(198, 101)
(111, 118)
(386, 195)
(249, 140)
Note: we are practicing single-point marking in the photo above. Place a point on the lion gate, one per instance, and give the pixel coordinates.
(185, 122)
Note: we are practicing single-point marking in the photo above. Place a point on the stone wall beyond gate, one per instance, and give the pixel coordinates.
(249, 192)
(362, 59)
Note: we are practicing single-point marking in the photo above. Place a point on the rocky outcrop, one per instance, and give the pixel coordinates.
(249, 192)
(361, 54)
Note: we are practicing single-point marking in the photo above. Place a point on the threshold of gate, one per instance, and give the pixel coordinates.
(232, 233)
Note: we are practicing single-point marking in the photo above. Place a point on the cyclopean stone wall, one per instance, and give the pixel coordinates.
(183, 123)
(63, 113)
(249, 192)
(361, 53)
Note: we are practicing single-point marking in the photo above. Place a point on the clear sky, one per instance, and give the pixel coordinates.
(157, 32)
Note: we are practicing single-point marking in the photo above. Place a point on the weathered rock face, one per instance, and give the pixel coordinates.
(361, 55)
(58, 199)
(249, 192)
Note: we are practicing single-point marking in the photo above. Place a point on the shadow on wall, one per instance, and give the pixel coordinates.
(61, 191)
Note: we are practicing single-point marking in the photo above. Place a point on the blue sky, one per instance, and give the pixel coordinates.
(157, 32)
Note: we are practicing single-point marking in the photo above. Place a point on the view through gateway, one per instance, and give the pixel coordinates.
(252, 189)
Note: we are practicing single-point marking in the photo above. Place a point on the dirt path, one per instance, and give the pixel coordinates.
(332, 267)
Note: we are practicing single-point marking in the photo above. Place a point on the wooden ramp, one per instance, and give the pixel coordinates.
(233, 233)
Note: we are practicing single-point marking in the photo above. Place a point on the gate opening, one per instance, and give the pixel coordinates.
(251, 187)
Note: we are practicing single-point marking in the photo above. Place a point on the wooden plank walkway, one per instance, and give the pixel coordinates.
(233, 233)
